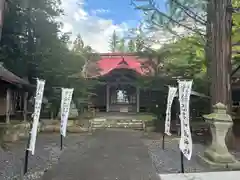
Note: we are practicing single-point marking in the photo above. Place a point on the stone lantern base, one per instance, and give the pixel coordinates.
(217, 154)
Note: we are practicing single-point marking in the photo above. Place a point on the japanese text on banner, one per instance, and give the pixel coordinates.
(171, 94)
(65, 107)
(36, 114)
(185, 144)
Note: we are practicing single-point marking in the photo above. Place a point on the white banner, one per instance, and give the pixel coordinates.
(65, 107)
(185, 144)
(36, 114)
(171, 94)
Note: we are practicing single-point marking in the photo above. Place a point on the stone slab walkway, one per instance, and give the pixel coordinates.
(107, 155)
(233, 175)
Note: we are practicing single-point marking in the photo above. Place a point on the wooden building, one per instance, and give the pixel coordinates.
(119, 91)
(14, 93)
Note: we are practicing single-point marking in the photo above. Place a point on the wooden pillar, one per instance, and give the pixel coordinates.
(8, 105)
(220, 54)
(138, 98)
(107, 97)
(25, 106)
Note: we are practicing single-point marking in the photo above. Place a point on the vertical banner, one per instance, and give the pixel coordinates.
(65, 107)
(171, 94)
(185, 144)
(36, 114)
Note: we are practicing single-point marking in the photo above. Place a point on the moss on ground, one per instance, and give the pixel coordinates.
(146, 117)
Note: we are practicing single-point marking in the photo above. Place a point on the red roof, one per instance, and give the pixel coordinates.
(110, 62)
(107, 65)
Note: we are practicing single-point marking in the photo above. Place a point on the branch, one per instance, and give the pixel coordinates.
(194, 16)
(235, 70)
(233, 9)
(155, 10)
(178, 23)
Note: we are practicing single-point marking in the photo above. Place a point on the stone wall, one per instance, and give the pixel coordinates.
(14, 132)
(53, 126)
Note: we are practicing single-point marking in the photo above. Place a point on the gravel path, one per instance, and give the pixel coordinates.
(47, 153)
(168, 160)
(108, 155)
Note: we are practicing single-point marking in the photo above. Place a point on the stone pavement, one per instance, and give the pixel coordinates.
(108, 155)
(231, 175)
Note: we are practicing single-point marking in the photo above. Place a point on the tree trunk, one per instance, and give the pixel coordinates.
(221, 20)
(219, 53)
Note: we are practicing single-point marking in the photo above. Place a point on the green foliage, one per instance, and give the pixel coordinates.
(186, 57)
(113, 43)
(139, 43)
(172, 61)
(32, 45)
(178, 13)
(121, 45)
(131, 46)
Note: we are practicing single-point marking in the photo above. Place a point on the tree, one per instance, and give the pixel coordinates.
(78, 44)
(33, 46)
(121, 45)
(218, 45)
(179, 13)
(131, 46)
(113, 42)
(139, 43)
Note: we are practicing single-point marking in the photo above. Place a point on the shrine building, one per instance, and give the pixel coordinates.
(118, 90)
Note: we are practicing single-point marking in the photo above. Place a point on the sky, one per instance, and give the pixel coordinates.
(95, 20)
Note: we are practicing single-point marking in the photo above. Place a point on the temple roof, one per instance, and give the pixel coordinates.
(112, 61)
(9, 77)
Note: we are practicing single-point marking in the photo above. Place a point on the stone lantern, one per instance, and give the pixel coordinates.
(217, 153)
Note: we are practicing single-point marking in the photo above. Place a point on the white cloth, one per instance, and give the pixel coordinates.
(171, 94)
(185, 144)
(65, 107)
(36, 114)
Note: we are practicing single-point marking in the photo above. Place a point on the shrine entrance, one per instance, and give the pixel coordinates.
(122, 94)
(118, 92)
(122, 98)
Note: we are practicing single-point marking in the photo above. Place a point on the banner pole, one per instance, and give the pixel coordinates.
(182, 162)
(26, 158)
(27, 152)
(163, 141)
(61, 142)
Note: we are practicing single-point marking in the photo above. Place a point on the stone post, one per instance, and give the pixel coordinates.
(219, 122)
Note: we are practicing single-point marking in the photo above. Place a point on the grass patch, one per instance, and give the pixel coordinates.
(146, 117)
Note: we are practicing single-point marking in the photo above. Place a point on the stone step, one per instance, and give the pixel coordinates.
(116, 123)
